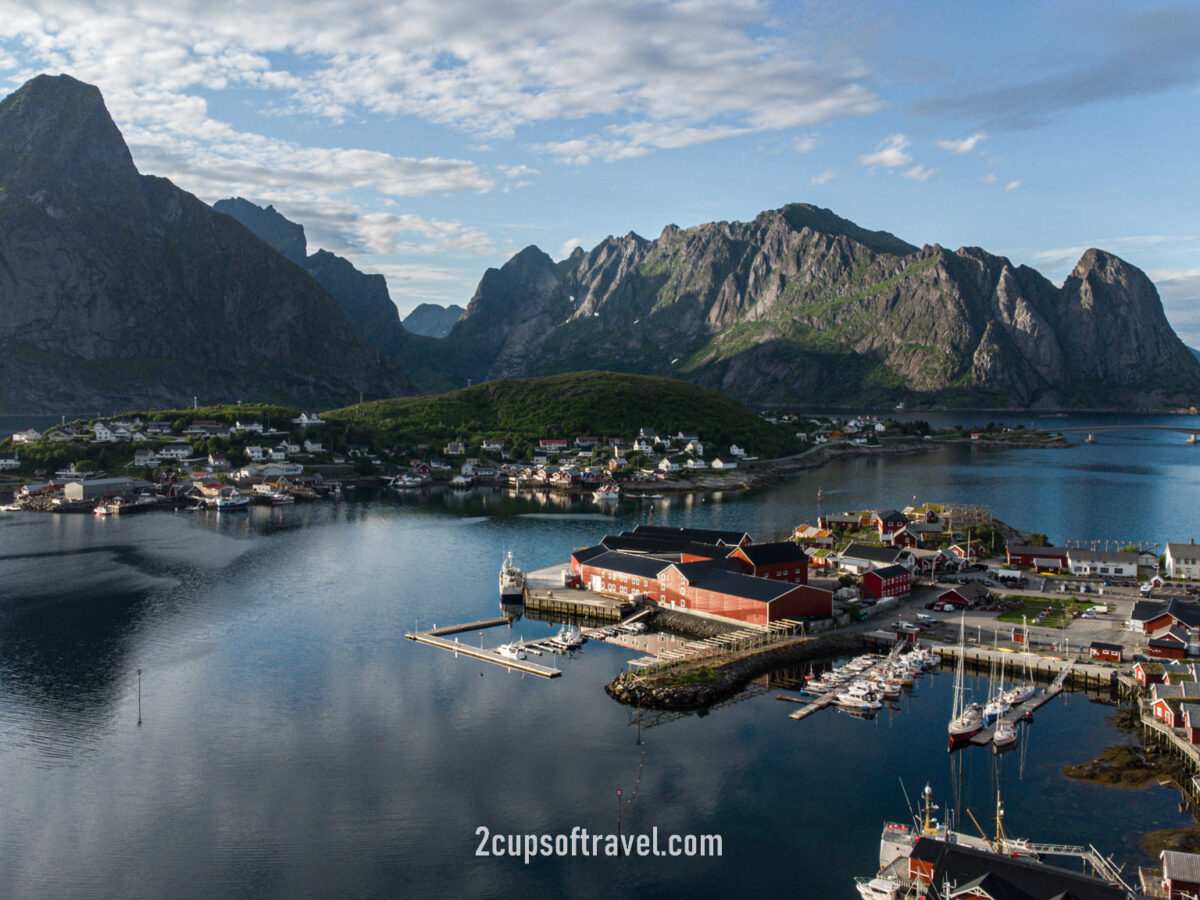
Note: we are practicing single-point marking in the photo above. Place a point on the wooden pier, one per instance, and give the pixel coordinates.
(468, 626)
(489, 656)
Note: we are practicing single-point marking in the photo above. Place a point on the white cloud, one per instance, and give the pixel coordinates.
(963, 145)
(804, 144)
(568, 247)
(919, 173)
(1012, 185)
(825, 176)
(891, 153)
(989, 178)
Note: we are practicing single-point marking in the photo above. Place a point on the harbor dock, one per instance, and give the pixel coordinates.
(546, 596)
(433, 639)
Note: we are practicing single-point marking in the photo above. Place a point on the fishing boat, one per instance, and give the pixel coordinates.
(930, 859)
(965, 719)
(231, 500)
(512, 581)
(607, 492)
(569, 638)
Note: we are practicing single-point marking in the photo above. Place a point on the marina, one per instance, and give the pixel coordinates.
(270, 654)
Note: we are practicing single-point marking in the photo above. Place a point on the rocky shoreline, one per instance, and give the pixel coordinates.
(704, 687)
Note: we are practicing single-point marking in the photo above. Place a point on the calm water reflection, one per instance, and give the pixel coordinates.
(294, 743)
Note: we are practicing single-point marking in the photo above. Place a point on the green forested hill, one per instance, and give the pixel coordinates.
(522, 410)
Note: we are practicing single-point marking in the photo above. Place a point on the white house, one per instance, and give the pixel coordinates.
(255, 453)
(249, 426)
(720, 464)
(641, 445)
(145, 457)
(9, 461)
(102, 434)
(313, 446)
(473, 468)
(278, 454)
(696, 464)
(1100, 562)
(735, 450)
(694, 447)
(1183, 560)
(667, 465)
(27, 437)
(307, 421)
(175, 451)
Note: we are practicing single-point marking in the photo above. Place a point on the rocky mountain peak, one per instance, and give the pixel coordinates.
(56, 130)
(269, 224)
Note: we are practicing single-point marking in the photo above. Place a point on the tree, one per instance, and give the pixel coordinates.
(1037, 539)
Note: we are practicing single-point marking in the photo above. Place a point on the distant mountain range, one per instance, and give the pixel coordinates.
(802, 306)
(121, 290)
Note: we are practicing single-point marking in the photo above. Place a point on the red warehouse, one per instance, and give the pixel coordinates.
(621, 573)
(711, 589)
(890, 581)
(781, 560)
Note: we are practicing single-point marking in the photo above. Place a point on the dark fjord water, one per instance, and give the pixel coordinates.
(294, 743)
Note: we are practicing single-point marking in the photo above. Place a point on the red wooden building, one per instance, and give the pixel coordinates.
(780, 560)
(1044, 559)
(1168, 643)
(890, 581)
(713, 589)
(904, 538)
(1181, 874)
(1107, 652)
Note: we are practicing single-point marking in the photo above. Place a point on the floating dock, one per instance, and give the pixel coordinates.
(433, 639)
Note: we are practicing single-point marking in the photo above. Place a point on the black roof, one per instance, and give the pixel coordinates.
(739, 585)
(1145, 610)
(972, 590)
(635, 543)
(871, 553)
(892, 515)
(890, 571)
(1008, 877)
(775, 552)
(701, 535)
(1100, 645)
(694, 571)
(588, 553)
(629, 563)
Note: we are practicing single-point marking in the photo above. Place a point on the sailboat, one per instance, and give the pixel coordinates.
(966, 719)
(1005, 736)
(996, 705)
(1020, 692)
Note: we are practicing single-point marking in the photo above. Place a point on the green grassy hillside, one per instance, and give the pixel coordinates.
(605, 404)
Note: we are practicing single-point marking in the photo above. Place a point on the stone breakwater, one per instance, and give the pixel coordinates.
(673, 690)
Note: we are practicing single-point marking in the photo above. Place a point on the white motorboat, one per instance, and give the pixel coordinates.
(513, 651)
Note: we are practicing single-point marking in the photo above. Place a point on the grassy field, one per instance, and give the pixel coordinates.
(1053, 612)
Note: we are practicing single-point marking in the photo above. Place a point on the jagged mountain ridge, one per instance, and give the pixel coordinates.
(432, 320)
(801, 306)
(119, 289)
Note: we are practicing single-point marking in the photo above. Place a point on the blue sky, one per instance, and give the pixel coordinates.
(429, 140)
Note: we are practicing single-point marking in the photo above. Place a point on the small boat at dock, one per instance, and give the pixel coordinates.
(512, 581)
